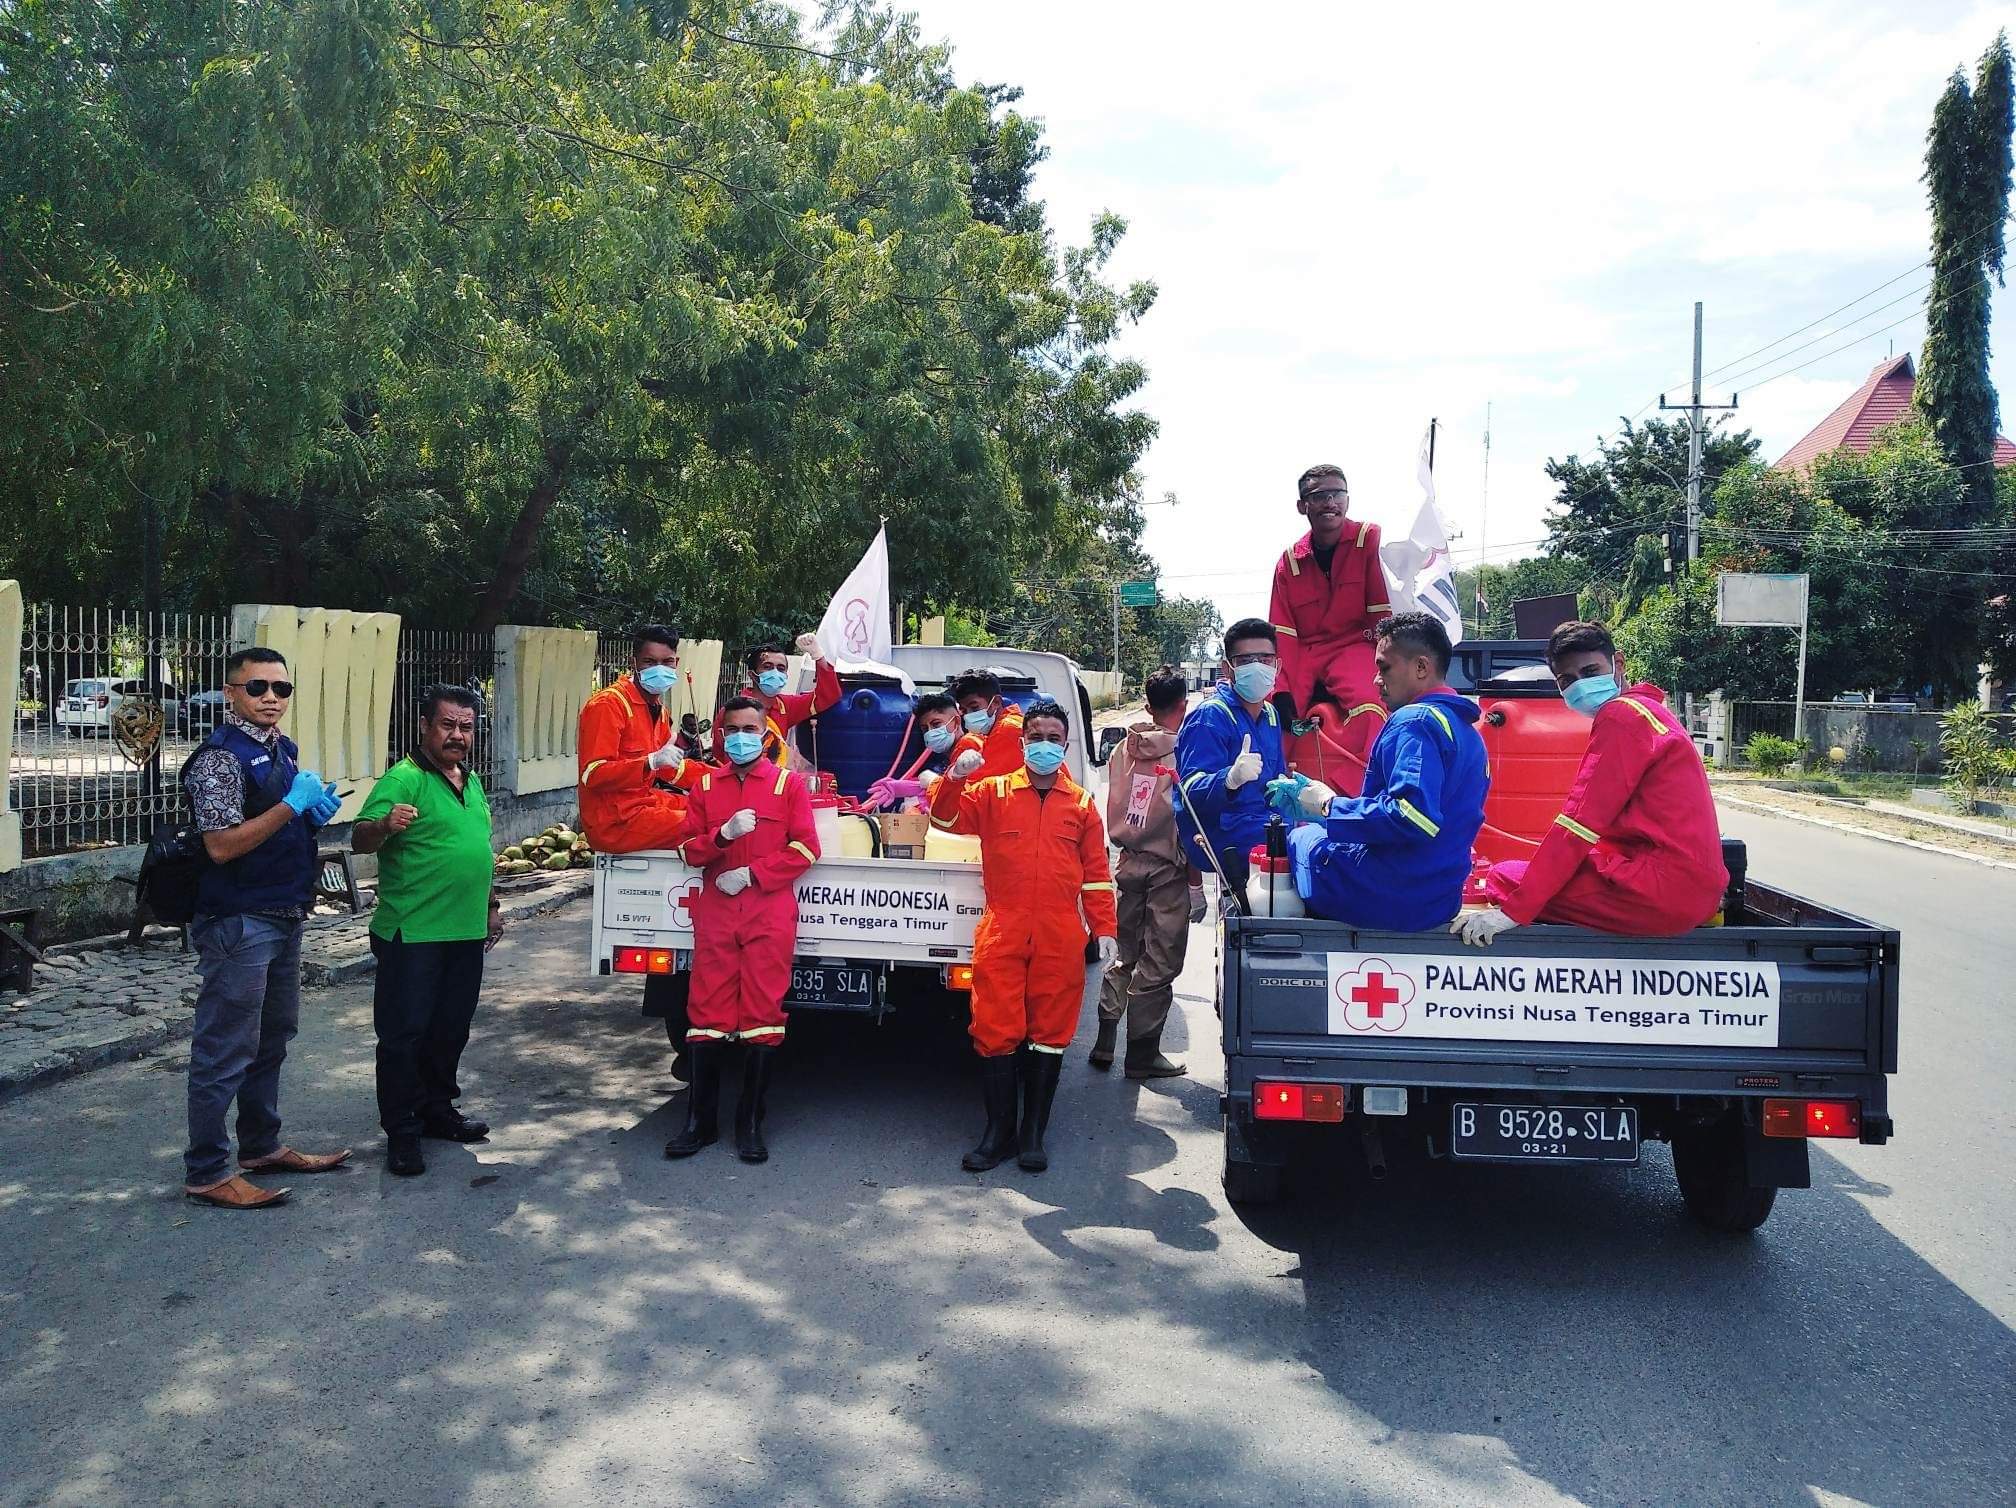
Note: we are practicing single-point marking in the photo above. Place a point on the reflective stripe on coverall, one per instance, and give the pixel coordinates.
(624, 805)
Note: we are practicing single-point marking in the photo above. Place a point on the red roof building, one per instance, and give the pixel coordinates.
(1883, 400)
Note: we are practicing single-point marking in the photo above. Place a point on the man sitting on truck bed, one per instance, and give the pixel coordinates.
(1227, 751)
(991, 744)
(938, 724)
(1398, 856)
(1636, 849)
(769, 670)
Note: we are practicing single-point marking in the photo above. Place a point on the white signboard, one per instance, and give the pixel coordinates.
(1674, 1002)
(1749, 599)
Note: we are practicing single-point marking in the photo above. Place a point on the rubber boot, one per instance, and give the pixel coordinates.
(1102, 1045)
(703, 1102)
(1039, 1088)
(1145, 1060)
(997, 1088)
(749, 1109)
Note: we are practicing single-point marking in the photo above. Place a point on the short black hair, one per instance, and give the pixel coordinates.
(460, 696)
(1046, 708)
(1250, 628)
(253, 654)
(740, 704)
(975, 682)
(935, 701)
(1571, 638)
(654, 633)
(1420, 633)
(1315, 473)
(1167, 686)
(754, 657)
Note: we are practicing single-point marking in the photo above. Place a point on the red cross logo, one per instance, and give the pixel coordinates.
(682, 904)
(1371, 998)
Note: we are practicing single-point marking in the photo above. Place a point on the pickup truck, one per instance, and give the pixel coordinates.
(1735, 1043)
(874, 933)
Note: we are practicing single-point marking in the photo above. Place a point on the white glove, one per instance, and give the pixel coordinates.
(1245, 768)
(966, 764)
(1109, 949)
(1316, 798)
(732, 881)
(808, 644)
(668, 754)
(740, 825)
(1196, 903)
(1477, 928)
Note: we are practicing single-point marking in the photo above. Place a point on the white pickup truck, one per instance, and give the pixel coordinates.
(874, 934)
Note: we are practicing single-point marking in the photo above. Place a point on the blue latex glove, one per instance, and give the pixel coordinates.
(323, 812)
(1284, 795)
(306, 791)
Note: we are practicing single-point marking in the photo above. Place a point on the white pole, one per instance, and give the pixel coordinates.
(1799, 696)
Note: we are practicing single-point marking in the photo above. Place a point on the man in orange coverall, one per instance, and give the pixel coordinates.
(1042, 858)
(991, 744)
(749, 831)
(769, 669)
(1636, 849)
(1329, 591)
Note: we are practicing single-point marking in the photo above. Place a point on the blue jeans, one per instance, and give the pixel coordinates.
(248, 1011)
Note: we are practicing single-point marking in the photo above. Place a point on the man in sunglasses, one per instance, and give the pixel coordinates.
(1329, 593)
(258, 811)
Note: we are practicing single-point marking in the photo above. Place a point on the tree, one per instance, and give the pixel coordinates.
(1635, 485)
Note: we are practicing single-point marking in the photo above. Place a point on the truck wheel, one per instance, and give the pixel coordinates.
(1252, 1182)
(1715, 1180)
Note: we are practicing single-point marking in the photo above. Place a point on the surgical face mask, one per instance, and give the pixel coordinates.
(770, 682)
(1043, 758)
(938, 739)
(657, 679)
(1254, 683)
(742, 747)
(1591, 693)
(979, 722)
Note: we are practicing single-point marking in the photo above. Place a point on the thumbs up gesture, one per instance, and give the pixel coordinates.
(1245, 768)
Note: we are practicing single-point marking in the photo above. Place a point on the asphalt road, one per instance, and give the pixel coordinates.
(563, 1316)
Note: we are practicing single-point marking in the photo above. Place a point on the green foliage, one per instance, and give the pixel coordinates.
(1974, 756)
(1771, 754)
(1635, 486)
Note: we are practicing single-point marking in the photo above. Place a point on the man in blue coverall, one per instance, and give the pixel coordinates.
(1397, 857)
(1228, 749)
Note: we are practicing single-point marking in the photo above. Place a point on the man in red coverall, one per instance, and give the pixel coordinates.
(769, 669)
(749, 831)
(1636, 849)
(990, 745)
(1329, 591)
(1044, 868)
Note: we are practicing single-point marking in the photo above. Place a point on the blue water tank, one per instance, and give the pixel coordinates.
(858, 738)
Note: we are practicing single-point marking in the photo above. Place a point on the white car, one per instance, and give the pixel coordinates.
(86, 706)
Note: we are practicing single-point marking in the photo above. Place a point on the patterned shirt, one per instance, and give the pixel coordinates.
(215, 786)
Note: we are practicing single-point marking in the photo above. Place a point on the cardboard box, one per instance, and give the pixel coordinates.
(903, 834)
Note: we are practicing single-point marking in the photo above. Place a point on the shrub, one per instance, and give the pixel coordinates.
(1973, 760)
(1772, 754)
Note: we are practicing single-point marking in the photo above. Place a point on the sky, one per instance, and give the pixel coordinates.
(1362, 217)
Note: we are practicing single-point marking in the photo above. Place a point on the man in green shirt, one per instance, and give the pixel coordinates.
(436, 917)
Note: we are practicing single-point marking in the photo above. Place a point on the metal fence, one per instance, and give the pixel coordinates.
(111, 701)
(446, 657)
(1749, 718)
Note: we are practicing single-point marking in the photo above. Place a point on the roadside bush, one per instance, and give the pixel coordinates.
(1771, 754)
(1973, 758)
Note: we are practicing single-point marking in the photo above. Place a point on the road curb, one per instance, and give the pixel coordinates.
(1862, 832)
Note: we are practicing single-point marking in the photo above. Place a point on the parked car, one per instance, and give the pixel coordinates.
(87, 704)
(199, 714)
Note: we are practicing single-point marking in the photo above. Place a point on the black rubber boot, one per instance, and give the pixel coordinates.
(749, 1109)
(1039, 1088)
(703, 1102)
(997, 1088)
(1103, 1044)
(1145, 1060)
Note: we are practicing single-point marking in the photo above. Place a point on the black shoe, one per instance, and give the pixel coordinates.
(402, 1156)
(749, 1109)
(455, 1126)
(1103, 1044)
(682, 1069)
(703, 1104)
(1145, 1060)
(1039, 1088)
(997, 1089)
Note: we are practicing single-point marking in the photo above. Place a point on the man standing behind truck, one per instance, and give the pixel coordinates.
(769, 672)
(1230, 747)
(1154, 886)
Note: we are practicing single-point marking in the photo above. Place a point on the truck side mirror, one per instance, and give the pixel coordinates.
(1109, 740)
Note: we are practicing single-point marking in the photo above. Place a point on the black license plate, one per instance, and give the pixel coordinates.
(1544, 1133)
(836, 987)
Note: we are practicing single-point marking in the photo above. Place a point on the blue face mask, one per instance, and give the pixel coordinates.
(1591, 693)
(1043, 758)
(979, 722)
(770, 682)
(657, 679)
(742, 747)
(938, 740)
(1254, 683)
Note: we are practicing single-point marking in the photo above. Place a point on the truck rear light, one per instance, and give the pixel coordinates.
(645, 961)
(1298, 1102)
(1800, 1118)
(959, 976)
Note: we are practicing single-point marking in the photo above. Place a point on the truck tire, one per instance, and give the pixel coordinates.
(1252, 1182)
(1714, 1179)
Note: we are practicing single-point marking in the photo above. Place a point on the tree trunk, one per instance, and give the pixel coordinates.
(524, 537)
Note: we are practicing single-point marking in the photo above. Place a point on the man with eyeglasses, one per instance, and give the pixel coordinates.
(258, 811)
(1227, 750)
(1329, 592)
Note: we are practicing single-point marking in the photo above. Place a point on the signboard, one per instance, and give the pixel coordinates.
(1646, 1002)
(1754, 600)
(1538, 617)
(1139, 594)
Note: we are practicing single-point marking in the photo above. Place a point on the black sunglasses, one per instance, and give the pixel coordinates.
(282, 689)
(1328, 494)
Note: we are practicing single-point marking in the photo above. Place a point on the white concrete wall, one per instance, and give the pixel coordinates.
(341, 664)
(543, 677)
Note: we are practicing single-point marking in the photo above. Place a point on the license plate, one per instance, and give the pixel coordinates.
(835, 987)
(1544, 1133)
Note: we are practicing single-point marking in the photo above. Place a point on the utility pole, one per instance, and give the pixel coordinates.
(1483, 521)
(1114, 663)
(1695, 432)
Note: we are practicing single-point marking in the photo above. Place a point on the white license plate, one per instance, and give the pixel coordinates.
(1543, 1133)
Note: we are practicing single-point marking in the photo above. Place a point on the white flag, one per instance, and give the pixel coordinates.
(1419, 568)
(855, 631)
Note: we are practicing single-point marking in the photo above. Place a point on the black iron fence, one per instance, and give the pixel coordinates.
(446, 657)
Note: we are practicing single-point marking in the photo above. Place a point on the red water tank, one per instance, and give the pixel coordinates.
(1535, 744)
(1334, 750)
